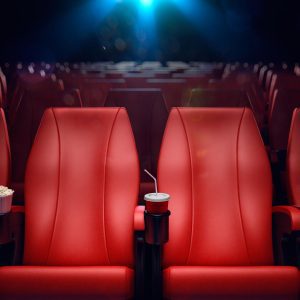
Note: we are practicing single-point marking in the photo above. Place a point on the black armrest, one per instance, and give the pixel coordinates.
(156, 235)
(286, 235)
(7, 244)
(12, 236)
(151, 233)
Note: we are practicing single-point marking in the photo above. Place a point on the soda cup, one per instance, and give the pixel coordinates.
(157, 203)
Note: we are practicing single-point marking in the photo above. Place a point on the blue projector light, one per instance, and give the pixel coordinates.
(146, 2)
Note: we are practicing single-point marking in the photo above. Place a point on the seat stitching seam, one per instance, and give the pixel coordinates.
(238, 185)
(192, 181)
(58, 188)
(293, 121)
(104, 190)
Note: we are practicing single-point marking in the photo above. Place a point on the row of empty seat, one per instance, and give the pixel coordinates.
(81, 192)
(282, 93)
(149, 91)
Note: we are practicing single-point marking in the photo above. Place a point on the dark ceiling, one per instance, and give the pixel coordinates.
(207, 30)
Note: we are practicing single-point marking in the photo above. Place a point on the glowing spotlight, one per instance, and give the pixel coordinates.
(146, 2)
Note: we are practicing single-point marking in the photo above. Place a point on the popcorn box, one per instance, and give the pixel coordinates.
(5, 204)
(6, 196)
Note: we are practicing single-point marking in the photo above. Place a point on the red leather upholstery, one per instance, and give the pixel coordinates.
(217, 152)
(81, 191)
(293, 159)
(282, 107)
(66, 282)
(214, 166)
(255, 283)
(4, 152)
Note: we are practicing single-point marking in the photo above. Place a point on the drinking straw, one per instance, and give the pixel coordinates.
(155, 181)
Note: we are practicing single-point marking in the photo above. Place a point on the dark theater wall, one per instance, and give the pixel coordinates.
(206, 30)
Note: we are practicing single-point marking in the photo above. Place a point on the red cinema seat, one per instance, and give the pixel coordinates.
(81, 192)
(217, 98)
(174, 90)
(136, 80)
(283, 80)
(287, 217)
(148, 115)
(94, 92)
(30, 83)
(3, 89)
(1, 99)
(293, 160)
(257, 68)
(74, 78)
(4, 151)
(270, 74)
(196, 80)
(214, 165)
(245, 80)
(93, 88)
(223, 97)
(27, 120)
(280, 116)
(262, 76)
(279, 70)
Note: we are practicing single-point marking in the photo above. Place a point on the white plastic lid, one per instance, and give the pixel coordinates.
(159, 197)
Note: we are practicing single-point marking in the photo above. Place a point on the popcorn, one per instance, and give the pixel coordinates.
(5, 191)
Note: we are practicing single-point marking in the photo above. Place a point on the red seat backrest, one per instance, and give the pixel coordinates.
(246, 81)
(214, 165)
(31, 83)
(283, 81)
(94, 92)
(137, 80)
(217, 98)
(93, 88)
(284, 103)
(1, 98)
(192, 79)
(174, 90)
(81, 189)
(262, 76)
(269, 76)
(293, 160)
